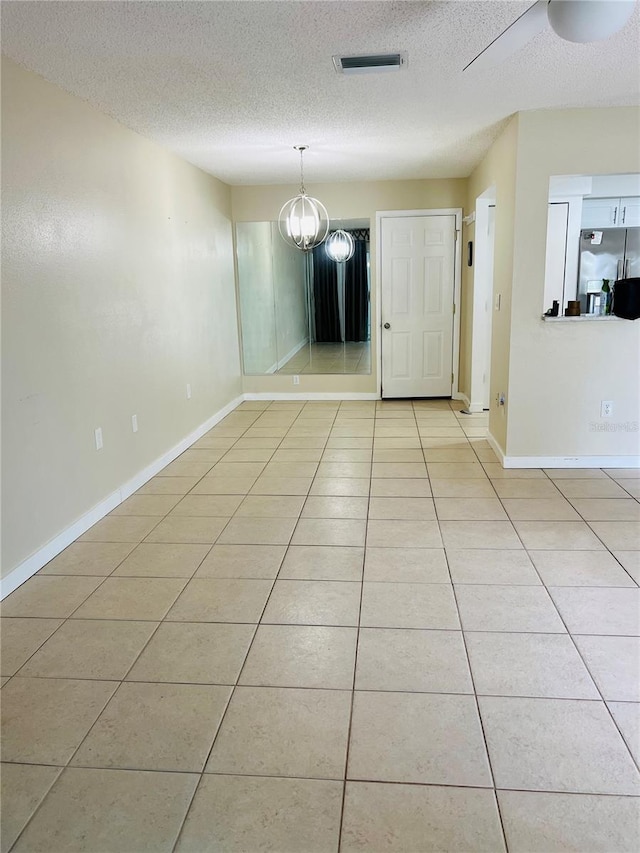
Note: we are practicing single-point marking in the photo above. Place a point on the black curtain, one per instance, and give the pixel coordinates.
(356, 295)
(325, 294)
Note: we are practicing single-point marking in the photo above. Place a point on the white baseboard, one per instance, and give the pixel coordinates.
(496, 448)
(312, 395)
(158, 464)
(43, 555)
(562, 461)
(472, 408)
(292, 352)
(571, 462)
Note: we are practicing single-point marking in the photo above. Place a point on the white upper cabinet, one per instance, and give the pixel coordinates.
(600, 212)
(611, 212)
(630, 212)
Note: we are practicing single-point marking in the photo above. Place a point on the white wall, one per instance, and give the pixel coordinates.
(118, 290)
(615, 185)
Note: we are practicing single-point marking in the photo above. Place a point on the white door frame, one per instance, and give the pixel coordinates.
(482, 292)
(457, 267)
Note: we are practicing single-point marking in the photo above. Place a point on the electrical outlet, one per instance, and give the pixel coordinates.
(188, 390)
(606, 409)
(98, 434)
(134, 423)
(296, 380)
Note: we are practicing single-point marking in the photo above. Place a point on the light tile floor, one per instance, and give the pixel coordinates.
(333, 626)
(347, 357)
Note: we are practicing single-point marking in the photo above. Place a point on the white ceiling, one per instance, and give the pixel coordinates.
(232, 86)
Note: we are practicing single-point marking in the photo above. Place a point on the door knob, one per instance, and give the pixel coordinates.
(387, 325)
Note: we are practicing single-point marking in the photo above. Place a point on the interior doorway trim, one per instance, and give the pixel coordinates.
(481, 320)
(457, 266)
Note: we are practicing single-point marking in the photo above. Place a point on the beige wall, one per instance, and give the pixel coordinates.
(118, 290)
(554, 375)
(498, 169)
(344, 201)
(559, 373)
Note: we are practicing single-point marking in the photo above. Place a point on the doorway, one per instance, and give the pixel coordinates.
(419, 264)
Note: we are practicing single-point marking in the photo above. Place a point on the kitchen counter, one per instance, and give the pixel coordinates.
(590, 318)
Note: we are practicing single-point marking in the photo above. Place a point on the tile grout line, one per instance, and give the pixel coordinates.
(345, 624)
(477, 703)
(355, 659)
(61, 768)
(37, 808)
(325, 689)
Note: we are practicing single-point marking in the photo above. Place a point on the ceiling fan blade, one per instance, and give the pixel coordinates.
(517, 34)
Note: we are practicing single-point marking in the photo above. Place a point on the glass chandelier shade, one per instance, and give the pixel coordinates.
(585, 21)
(340, 246)
(303, 220)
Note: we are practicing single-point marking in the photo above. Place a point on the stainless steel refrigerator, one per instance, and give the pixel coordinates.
(611, 253)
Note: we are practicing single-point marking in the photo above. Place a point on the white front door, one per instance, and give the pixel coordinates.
(418, 277)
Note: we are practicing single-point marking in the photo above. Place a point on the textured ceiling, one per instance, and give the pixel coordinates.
(232, 86)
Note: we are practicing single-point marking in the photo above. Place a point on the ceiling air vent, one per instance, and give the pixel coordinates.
(370, 63)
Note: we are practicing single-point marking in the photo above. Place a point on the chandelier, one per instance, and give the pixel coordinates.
(303, 220)
(340, 246)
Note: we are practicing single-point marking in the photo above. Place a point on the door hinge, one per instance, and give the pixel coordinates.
(454, 307)
(452, 378)
(456, 233)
